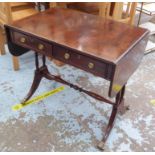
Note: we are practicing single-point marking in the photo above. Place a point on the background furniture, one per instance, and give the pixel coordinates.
(122, 12)
(119, 11)
(149, 9)
(146, 7)
(10, 12)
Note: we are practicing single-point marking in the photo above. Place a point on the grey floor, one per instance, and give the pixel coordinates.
(72, 121)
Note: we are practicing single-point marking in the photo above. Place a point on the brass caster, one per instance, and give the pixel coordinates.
(23, 102)
(101, 145)
(127, 107)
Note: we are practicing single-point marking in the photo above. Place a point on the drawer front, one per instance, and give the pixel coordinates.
(86, 63)
(20, 39)
(41, 46)
(32, 43)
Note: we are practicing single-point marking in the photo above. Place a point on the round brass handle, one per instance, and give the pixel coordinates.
(91, 65)
(40, 46)
(67, 56)
(22, 40)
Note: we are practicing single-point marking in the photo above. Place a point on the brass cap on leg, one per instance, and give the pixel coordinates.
(101, 145)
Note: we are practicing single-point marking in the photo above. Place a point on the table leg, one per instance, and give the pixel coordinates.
(36, 81)
(117, 107)
(35, 85)
(122, 108)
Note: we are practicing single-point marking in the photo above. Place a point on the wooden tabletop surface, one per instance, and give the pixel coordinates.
(102, 38)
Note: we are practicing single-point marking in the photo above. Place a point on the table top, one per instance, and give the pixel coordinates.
(96, 36)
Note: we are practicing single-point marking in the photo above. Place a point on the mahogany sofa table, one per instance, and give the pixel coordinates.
(103, 47)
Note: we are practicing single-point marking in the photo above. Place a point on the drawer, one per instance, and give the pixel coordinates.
(20, 39)
(41, 46)
(81, 61)
(32, 43)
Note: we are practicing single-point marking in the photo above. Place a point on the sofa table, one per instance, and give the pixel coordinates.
(103, 47)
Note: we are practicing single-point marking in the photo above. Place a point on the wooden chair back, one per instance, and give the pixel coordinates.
(129, 14)
(13, 11)
(119, 11)
(5, 13)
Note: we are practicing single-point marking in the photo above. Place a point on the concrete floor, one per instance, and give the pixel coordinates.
(72, 121)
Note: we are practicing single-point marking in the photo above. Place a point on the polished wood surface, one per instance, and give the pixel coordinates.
(107, 45)
(86, 33)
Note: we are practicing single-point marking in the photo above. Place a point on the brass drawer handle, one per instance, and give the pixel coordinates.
(41, 46)
(22, 39)
(67, 56)
(91, 65)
